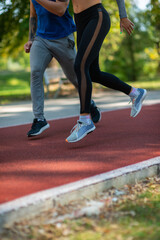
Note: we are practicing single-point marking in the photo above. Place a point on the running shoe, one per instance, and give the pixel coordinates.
(80, 130)
(38, 127)
(95, 112)
(137, 102)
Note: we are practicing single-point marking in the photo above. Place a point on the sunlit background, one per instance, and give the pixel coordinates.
(134, 59)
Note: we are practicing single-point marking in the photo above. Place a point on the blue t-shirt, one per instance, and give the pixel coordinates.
(51, 26)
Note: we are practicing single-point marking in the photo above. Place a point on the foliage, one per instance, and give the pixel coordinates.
(15, 85)
(127, 57)
(14, 25)
(153, 17)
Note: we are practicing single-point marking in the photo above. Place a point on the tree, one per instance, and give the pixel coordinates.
(125, 55)
(153, 15)
(14, 17)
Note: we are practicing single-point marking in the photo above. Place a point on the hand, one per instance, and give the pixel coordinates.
(27, 46)
(126, 24)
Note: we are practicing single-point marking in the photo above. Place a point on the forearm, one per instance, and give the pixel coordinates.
(122, 8)
(32, 27)
(58, 7)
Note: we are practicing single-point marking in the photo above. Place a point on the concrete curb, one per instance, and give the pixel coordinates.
(31, 205)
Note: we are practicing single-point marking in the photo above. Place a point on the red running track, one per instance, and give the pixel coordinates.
(31, 165)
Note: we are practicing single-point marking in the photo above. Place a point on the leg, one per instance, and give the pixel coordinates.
(90, 40)
(39, 60)
(107, 79)
(63, 50)
(65, 53)
(92, 26)
(137, 95)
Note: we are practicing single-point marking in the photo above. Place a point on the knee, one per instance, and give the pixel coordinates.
(94, 76)
(36, 74)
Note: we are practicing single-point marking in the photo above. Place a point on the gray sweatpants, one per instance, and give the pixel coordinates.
(42, 52)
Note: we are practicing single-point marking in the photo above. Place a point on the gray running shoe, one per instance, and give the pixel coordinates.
(80, 130)
(137, 102)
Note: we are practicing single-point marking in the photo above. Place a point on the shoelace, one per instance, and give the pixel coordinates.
(77, 126)
(132, 100)
(35, 124)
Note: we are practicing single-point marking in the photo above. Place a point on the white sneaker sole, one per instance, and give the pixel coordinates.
(41, 130)
(85, 134)
(142, 99)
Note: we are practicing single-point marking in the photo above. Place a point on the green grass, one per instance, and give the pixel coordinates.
(15, 86)
(14, 82)
(150, 84)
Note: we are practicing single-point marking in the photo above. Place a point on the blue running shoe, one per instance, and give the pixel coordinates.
(80, 130)
(95, 112)
(137, 102)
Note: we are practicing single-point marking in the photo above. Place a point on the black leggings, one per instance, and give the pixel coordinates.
(93, 24)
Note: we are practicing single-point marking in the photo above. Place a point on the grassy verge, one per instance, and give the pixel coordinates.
(147, 83)
(132, 213)
(15, 86)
